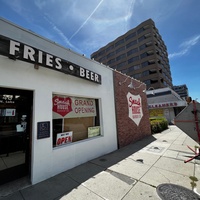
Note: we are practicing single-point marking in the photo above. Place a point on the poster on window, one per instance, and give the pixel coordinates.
(72, 107)
(64, 138)
(93, 131)
(8, 112)
(135, 107)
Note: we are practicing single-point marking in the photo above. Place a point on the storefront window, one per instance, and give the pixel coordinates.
(74, 119)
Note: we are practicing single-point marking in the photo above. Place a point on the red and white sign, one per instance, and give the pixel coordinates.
(135, 107)
(72, 107)
(62, 105)
(64, 138)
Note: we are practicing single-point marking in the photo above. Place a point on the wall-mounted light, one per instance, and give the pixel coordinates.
(152, 90)
(142, 84)
(131, 85)
(120, 83)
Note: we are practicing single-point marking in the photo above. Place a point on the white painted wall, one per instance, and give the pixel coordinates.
(46, 161)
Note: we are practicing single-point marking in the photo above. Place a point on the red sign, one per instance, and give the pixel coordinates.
(64, 138)
(72, 107)
(62, 105)
(135, 107)
(162, 105)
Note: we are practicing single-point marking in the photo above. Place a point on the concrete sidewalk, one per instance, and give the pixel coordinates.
(130, 173)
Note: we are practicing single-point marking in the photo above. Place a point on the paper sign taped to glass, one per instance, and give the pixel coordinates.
(93, 131)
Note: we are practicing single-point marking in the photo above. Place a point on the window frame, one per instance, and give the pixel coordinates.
(97, 120)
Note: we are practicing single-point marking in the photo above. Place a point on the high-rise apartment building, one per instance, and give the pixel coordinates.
(139, 53)
(182, 90)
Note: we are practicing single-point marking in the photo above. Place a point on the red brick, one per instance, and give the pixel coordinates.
(127, 130)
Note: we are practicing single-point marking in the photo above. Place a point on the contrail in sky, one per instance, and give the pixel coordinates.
(86, 20)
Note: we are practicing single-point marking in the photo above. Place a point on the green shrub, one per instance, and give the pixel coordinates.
(158, 125)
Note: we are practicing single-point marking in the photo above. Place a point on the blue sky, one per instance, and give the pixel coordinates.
(86, 25)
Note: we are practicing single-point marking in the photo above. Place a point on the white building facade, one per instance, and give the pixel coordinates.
(56, 109)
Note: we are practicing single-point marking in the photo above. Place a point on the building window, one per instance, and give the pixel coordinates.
(142, 47)
(144, 64)
(130, 36)
(133, 68)
(102, 59)
(111, 61)
(124, 71)
(131, 44)
(119, 42)
(136, 67)
(145, 73)
(140, 30)
(120, 49)
(147, 82)
(132, 51)
(141, 38)
(133, 59)
(109, 48)
(111, 54)
(121, 57)
(137, 76)
(130, 69)
(101, 52)
(74, 119)
(120, 65)
(143, 55)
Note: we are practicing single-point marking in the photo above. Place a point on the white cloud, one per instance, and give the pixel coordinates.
(86, 20)
(186, 46)
(87, 25)
(61, 34)
(19, 7)
(191, 42)
(40, 3)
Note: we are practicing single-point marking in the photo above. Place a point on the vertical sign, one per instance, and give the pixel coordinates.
(135, 107)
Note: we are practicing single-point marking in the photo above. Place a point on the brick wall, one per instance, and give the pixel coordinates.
(128, 131)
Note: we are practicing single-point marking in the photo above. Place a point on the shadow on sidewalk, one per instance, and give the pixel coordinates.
(63, 183)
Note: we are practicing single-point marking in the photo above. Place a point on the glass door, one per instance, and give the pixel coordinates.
(15, 129)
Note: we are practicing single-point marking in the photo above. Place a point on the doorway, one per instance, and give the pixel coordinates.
(15, 133)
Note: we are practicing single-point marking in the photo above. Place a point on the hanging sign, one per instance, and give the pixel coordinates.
(135, 107)
(19, 51)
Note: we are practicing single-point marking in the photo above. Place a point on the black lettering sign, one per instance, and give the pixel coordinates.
(19, 51)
